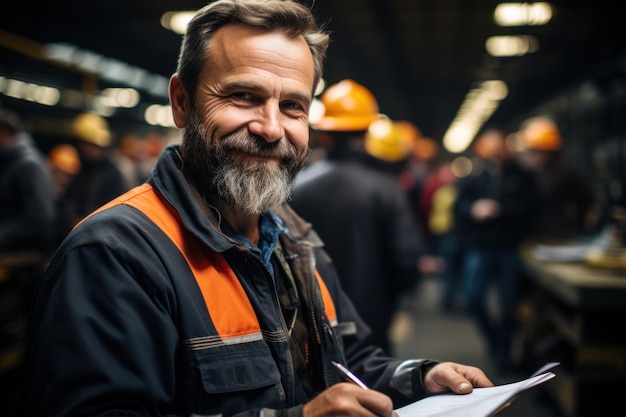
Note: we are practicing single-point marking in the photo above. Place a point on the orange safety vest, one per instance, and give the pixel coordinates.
(226, 300)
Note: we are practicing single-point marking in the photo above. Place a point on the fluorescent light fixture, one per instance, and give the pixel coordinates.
(177, 21)
(511, 45)
(107, 68)
(479, 104)
(523, 14)
(40, 94)
(159, 115)
(120, 97)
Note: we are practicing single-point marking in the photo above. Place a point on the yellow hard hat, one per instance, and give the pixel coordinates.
(409, 131)
(541, 134)
(348, 106)
(384, 140)
(421, 148)
(64, 157)
(91, 128)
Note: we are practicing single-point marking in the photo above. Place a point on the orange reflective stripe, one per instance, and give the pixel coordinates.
(329, 305)
(227, 303)
(225, 299)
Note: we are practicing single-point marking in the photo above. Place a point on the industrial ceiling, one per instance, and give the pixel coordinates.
(420, 58)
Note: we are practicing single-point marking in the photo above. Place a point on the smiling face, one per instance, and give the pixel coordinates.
(246, 136)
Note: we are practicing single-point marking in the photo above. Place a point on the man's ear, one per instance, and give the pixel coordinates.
(179, 99)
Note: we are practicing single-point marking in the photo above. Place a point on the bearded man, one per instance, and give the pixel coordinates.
(201, 292)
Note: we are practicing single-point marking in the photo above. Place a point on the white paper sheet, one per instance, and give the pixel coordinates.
(482, 402)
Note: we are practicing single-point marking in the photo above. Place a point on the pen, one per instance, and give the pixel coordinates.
(348, 376)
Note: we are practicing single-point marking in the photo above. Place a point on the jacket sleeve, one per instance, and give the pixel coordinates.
(402, 380)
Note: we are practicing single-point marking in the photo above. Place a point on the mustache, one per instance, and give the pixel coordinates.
(256, 146)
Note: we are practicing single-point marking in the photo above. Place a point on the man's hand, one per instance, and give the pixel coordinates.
(450, 376)
(346, 399)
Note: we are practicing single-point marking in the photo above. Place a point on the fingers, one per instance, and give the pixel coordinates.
(348, 399)
(450, 376)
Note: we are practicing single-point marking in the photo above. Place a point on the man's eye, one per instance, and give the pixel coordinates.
(242, 96)
(292, 105)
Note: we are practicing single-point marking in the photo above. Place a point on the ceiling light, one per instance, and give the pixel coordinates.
(107, 68)
(48, 96)
(316, 111)
(120, 97)
(511, 45)
(479, 104)
(177, 21)
(159, 115)
(523, 14)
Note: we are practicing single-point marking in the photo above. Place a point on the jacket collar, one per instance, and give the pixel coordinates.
(204, 220)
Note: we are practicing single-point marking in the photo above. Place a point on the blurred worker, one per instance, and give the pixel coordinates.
(64, 164)
(99, 179)
(438, 199)
(390, 149)
(153, 145)
(567, 199)
(127, 154)
(27, 207)
(201, 292)
(26, 231)
(423, 152)
(494, 210)
(360, 213)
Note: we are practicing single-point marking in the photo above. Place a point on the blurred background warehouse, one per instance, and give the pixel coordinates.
(444, 65)
(423, 60)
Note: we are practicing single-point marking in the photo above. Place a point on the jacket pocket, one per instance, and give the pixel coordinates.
(246, 369)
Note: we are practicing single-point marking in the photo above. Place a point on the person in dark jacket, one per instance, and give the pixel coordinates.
(200, 292)
(567, 198)
(27, 213)
(359, 210)
(99, 179)
(26, 191)
(494, 210)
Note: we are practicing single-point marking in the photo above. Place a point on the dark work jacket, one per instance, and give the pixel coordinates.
(95, 184)
(27, 210)
(367, 226)
(515, 189)
(148, 309)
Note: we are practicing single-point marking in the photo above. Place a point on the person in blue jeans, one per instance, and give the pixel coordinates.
(494, 212)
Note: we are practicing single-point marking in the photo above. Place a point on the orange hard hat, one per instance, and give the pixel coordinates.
(64, 157)
(409, 132)
(425, 149)
(490, 143)
(348, 106)
(384, 140)
(542, 134)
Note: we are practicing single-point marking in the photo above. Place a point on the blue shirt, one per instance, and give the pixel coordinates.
(270, 227)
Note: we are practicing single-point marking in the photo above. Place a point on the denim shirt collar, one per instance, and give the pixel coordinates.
(270, 227)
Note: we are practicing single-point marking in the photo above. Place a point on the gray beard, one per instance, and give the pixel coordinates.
(252, 186)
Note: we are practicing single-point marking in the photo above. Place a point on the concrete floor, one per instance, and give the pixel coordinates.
(421, 329)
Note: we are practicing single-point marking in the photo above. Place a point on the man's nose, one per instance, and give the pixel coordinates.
(268, 123)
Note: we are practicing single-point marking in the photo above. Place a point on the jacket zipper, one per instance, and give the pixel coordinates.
(290, 377)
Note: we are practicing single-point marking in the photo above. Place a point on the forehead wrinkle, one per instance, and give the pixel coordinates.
(233, 81)
(237, 45)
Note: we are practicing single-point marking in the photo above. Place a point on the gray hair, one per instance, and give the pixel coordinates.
(292, 18)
